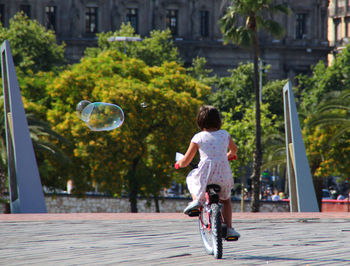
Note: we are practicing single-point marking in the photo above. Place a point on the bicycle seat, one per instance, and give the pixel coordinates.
(213, 188)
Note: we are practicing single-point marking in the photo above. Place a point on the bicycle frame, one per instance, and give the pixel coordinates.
(210, 222)
(207, 205)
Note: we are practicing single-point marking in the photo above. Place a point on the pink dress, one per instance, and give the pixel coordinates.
(213, 167)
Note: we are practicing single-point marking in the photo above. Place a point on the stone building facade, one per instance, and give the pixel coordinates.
(339, 25)
(194, 27)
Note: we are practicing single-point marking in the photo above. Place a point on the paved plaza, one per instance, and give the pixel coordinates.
(172, 239)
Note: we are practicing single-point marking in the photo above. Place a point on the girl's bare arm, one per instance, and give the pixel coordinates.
(232, 150)
(189, 155)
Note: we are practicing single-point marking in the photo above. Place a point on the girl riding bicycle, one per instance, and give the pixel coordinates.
(213, 168)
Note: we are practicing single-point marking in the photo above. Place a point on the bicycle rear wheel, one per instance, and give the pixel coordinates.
(210, 230)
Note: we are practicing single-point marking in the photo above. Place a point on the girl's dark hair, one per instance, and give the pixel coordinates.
(208, 117)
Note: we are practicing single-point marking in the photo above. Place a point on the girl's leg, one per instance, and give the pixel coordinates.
(227, 212)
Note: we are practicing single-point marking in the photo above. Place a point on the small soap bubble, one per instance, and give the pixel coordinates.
(80, 107)
(100, 116)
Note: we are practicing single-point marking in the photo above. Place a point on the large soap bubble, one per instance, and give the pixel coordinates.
(100, 116)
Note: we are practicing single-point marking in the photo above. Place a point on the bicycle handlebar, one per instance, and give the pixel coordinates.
(234, 157)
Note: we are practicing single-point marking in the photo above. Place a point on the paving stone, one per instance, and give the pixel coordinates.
(171, 239)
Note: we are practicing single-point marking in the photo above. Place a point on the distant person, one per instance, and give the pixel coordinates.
(268, 195)
(340, 197)
(281, 194)
(276, 196)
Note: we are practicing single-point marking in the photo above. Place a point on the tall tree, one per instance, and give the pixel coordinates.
(159, 103)
(257, 14)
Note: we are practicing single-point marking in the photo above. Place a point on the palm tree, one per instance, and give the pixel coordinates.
(275, 156)
(255, 13)
(334, 111)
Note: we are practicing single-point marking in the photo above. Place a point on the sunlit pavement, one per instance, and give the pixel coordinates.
(172, 239)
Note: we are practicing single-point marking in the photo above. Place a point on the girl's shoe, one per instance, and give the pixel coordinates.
(232, 234)
(192, 206)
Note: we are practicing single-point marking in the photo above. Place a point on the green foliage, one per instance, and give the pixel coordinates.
(272, 93)
(327, 131)
(327, 157)
(44, 143)
(200, 73)
(243, 133)
(32, 46)
(153, 50)
(236, 90)
(325, 99)
(33, 90)
(324, 80)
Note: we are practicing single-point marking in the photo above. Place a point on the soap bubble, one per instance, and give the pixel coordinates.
(80, 107)
(100, 116)
(144, 104)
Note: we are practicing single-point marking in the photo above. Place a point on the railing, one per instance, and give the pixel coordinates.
(332, 205)
(335, 205)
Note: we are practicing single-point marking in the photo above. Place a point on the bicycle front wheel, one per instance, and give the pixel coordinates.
(210, 230)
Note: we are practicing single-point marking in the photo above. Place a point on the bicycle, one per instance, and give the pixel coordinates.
(210, 221)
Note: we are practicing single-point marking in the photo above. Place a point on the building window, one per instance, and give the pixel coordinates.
(26, 9)
(131, 17)
(50, 17)
(204, 23)
(171, 21)
(91, 19)
(347, 27)
(337, 30)
(300, 26)
(2, 14)
(341, 6)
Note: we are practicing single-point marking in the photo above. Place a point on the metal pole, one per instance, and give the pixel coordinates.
(348, 194)
(260, 80)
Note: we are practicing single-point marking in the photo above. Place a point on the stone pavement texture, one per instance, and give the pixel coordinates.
(172, 239)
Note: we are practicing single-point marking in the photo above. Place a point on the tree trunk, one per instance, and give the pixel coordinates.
(156, 202)
(318, 185)
(243, 186)
(317, 182)
(133, 186)
(3, 179)
(257, 159)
